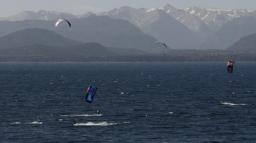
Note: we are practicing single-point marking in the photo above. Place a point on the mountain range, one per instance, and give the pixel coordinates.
(130, 28)
(44, 45)
(246, 45)
(38, 15)
(202, 26)
(158, 24)
(100, 29)
(47, 45)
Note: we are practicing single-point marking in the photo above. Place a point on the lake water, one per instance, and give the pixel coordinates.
(135, 102)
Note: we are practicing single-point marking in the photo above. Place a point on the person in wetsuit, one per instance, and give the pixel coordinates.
(230, 66)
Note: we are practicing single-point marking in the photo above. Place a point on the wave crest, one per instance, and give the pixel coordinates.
(233, 104)
(82, 115)
(104, 123)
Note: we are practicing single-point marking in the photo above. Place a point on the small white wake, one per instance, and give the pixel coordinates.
(15, 123)
(170, 113)
(232, 104)
(102, 124)
(35, 123)
(28, 123)
(82, 115)
(90, 124)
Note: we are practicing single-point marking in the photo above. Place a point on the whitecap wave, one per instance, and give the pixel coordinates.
(90, 124)
(35, 123)
(82, 115)
(233, 104)
(127, 122)
(15, 123)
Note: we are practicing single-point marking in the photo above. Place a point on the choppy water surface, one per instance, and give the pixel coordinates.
(136, 102)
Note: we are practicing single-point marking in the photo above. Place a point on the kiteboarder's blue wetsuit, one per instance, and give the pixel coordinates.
(91, 91)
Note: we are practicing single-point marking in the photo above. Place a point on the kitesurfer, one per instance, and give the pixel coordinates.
(230, 66)
(90, 93)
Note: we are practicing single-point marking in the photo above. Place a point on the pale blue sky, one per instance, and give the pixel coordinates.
(10, 7)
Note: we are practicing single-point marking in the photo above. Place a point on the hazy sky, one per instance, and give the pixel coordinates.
(11, 7)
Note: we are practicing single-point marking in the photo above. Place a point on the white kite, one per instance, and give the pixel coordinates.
(61, 21)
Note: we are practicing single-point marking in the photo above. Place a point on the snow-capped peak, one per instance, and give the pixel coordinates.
(39, 15)
(216, 17)
(151, 10)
